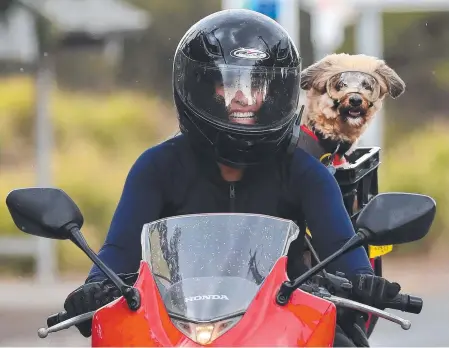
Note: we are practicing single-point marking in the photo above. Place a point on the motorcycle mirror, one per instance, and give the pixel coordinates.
(396, 218)
(44, 212)
(389, 218)
(51, 213)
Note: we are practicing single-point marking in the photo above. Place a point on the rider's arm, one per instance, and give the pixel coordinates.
(326, 216)
(141, 202)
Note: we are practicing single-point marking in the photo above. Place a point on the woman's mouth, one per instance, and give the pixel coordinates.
(242, 114)
(242, 117)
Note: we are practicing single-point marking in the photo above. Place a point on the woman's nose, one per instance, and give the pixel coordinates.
(240, 98)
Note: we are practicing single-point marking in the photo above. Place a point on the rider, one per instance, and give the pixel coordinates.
(236, 78)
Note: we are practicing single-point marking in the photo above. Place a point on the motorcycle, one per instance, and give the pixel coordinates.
(220, 279)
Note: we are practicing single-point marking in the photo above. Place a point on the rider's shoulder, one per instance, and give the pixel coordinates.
(303, 161)
(160, 154)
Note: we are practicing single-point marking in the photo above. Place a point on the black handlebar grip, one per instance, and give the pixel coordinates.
(406, 303)
(54, 319)
(414, 304)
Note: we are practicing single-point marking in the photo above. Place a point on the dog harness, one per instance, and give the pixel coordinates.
(327, 151)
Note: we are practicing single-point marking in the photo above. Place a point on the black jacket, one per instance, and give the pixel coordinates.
(172, 179)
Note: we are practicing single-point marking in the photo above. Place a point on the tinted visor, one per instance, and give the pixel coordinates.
(238, 97)
(346, 82)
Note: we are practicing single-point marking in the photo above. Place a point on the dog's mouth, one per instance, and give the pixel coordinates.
(352, 112)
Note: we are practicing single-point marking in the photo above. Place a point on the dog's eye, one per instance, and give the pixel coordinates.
(340, 85)
(367, 86)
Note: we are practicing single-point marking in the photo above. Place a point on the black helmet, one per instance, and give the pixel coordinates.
(236, 85)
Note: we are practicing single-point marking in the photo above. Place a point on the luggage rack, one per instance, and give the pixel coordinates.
(359, 180)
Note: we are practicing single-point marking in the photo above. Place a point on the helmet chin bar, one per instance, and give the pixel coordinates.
(244, 162)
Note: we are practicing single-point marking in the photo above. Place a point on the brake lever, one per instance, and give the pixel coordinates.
(43, 332)
(343, 302)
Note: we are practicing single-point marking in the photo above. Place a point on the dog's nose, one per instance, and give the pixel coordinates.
(355, 100)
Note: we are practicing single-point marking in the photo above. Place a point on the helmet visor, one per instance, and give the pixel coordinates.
(238, 97)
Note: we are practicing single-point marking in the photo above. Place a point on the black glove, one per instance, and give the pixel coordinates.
(92, 296)
(372, 290)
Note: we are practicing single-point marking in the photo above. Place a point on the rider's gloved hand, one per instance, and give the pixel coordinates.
(373, 290)
(92, 296)
(89, 297)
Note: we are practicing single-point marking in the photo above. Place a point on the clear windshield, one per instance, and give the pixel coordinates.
(210, 266)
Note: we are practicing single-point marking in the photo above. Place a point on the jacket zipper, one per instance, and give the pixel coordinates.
(232, 197)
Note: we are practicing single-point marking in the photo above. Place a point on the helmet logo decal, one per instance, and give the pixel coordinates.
(249, 53)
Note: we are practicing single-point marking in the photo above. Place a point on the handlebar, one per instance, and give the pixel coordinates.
(405, 303)
(343, 302)
(65, 324)
(57, 318)
(338, 285)
(402, 302)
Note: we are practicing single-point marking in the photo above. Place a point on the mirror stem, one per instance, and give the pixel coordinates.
(288, 287)
(131, 294)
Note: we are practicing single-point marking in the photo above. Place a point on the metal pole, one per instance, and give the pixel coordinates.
(46, 258)
(369, 40)
(289, 18)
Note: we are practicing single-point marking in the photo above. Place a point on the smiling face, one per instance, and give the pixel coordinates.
(343, 106)
(355, 93)
(241, 106)
(345, 91)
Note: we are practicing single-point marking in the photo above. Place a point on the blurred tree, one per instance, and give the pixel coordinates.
(415, 46)
(148, 60)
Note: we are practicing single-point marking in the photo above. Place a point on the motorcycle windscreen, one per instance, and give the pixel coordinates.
(210, 266)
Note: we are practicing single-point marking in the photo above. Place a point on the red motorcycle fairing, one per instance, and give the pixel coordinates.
(306, 321)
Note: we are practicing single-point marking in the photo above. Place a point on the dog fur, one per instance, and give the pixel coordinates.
(320, 113)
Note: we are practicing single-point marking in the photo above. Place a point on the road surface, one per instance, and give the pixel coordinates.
(429, 329)
(24, 308)
(21, 314)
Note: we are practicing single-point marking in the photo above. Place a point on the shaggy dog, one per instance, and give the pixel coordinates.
(344, 92)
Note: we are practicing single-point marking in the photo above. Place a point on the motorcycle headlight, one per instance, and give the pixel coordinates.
(205, 333)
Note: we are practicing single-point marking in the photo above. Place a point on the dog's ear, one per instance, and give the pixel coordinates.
(394, 83)
(311, 74)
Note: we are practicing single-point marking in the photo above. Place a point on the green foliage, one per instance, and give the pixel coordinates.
(415, 157)
(97, 139)
(396, 25)
(419, 163)
(154, 51)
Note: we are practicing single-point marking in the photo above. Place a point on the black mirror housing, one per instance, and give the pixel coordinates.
(43, 212)
(397, 218)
